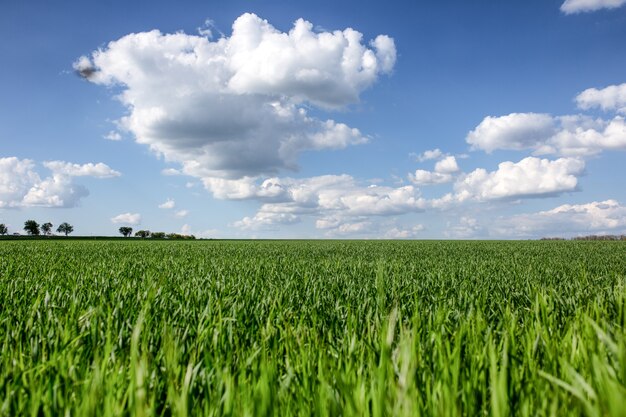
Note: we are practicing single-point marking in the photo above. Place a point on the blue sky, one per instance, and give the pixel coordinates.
(443, 119)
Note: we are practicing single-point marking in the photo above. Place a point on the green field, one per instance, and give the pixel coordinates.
(312, 328)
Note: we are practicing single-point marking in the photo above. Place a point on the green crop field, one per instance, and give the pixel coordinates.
(312, 328)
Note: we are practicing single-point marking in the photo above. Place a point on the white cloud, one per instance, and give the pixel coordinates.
(336, 136)
(567, 220)
(423, 177)
(113, 135)
(530, 177)
(237, 107)
(186, 229)
(400, 233)
(181, 213)
(611, 98)
(578, 6)
(332, 200)
(244, 188)
(366, 228)
(21, 185)
(374, 200)
(329, 222)
(127, 218)
(447, 165)
(444, 201)
(352, 228)
(444, 172)
(466, 227)
(515, 131)
(168, 204)
(581, 136)
(428, 155)
(326, 68)
(171, 172)
(264, 220)
(54, 191)
(545, 134)
(98, 170)
(16, 178)
(341, 206)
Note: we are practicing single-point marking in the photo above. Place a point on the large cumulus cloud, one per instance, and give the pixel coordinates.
(22, 186)
(339, 202)
(571, 135)
(610, 98)
(602, 217)
(530, 177)
(239, 106)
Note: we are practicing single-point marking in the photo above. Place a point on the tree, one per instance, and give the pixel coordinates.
(65, 228)
(158, 235)
(31, 227)
(126, 231)
(143, 234)
(46, 228)
(3, 229)
(179, 236)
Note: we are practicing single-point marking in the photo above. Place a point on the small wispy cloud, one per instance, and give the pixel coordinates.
(181, 213)
(168, 204)
(580, 6)
(127, 218)
(113, 135)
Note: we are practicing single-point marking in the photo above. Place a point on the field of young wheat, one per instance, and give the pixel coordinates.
(312, 328)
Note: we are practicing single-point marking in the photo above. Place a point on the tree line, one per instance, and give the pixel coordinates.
(32, 228)
(145, 234)
(589, 237)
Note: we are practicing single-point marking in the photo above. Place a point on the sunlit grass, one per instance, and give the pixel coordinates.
(312, 328)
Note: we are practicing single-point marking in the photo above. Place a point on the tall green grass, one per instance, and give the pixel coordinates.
(312, 328)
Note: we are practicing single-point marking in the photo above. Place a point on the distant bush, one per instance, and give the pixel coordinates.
(143, 234)
(600, 237)
(179, 236)
(590, 237)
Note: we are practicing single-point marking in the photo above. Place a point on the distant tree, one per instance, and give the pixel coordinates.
(158, 235)
(179, 236)
(3, 229)
(46, 228)
(65, 228)
(126, 231)
(142, 234)
(31, 227)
